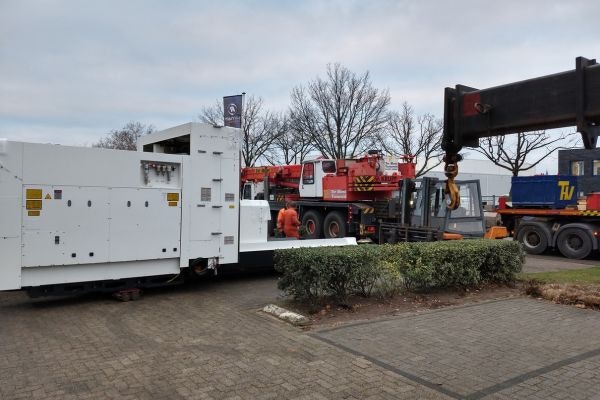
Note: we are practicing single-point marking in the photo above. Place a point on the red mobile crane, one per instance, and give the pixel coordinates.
(335, 197)
(354, 197)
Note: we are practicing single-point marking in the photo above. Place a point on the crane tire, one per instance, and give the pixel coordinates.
(533, 239)
(335, 225)
(313, 221)
(574, 243)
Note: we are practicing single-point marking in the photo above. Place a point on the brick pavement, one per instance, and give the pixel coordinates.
(208, 341)
(204, 341)
(520, 348)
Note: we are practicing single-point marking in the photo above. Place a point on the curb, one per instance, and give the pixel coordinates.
(286, 315)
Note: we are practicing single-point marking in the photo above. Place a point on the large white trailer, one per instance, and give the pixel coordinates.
(75, 218)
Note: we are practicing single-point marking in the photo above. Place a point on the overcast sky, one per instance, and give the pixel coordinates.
(70, 71)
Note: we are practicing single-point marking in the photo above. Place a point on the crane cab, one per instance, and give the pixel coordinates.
(430, 208)
(313, 172)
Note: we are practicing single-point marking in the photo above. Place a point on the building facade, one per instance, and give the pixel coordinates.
(585, 165)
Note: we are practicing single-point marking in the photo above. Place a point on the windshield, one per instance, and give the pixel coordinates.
(469, 201)
(468, 218)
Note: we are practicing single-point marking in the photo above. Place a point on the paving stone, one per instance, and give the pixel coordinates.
(203, 341)
(209, 341)
(519, 347)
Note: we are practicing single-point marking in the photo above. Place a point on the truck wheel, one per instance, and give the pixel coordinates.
(574, 243)
(335, 225)
(313, 221)
(533, 239)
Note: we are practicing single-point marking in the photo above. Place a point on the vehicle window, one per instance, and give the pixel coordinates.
(417, 200)
(247, 195)
(437, 206)
(469, 202)
(308, 173)
(440, 203)
(328, 166)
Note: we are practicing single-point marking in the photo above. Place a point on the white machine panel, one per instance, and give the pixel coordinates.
(72, 229)
(82, 208)
(97, 225)
(144, 224)
(10, 215)
(210, 189)
(10, 222)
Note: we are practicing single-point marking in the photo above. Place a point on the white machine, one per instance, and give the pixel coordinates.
(86, 217)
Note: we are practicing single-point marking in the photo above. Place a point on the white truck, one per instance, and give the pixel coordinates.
(77, 219)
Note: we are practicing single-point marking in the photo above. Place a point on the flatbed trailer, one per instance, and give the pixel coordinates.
(574, 233)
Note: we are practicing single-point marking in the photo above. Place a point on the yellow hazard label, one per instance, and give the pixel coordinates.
(172, 196)
(172, 204)
(33, 213)
(48, 197)
(232, 206)
(33, 205)
(33, 194)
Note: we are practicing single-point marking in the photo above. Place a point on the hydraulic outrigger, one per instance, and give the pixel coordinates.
(570, 98)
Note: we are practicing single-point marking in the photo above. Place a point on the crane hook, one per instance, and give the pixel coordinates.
(451, 190)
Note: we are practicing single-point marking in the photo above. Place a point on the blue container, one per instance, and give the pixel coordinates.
(544, 191)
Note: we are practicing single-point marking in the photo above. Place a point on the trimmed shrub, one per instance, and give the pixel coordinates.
(312, 273)
(505, 258)
(389, 282)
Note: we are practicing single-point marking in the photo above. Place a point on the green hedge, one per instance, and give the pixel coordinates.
(313, 273)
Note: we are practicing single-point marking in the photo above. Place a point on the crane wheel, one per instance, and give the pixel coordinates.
(313, 221)
(335, 225)
(574, 243)
(533, 239)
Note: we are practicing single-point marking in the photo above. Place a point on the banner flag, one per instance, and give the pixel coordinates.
(232, 109)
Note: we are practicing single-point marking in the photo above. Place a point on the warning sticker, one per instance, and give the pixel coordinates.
(33, 194)
(48, 197)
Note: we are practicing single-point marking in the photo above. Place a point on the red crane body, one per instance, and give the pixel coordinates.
(361, 179)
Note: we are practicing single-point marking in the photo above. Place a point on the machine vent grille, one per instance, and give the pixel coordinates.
(205, 194)
(228, 239)
(229, 197)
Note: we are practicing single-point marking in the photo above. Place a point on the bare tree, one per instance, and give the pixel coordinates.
(516, 153)
(126, 137)
(342, 114)
(290, 147)
(213, 114)
(260, 128)
(420, 137)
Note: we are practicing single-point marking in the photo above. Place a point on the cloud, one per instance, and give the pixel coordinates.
(90, 67)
